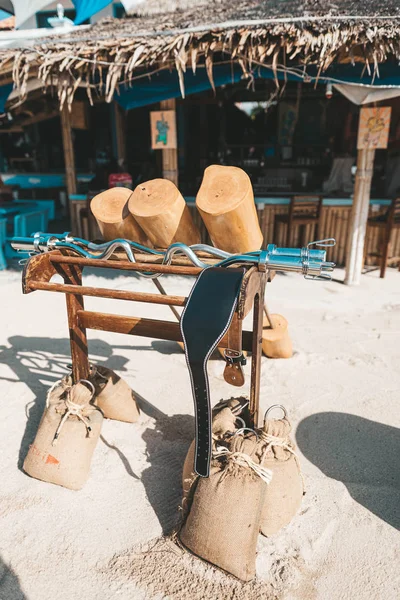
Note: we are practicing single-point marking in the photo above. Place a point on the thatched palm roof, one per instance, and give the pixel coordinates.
(181, 34)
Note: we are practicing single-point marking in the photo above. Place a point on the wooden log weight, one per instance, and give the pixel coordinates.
(276, 342)
(225, 201)
(161, 211)
(110, 209)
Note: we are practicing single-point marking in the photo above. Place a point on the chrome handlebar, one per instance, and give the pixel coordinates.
(311, 262)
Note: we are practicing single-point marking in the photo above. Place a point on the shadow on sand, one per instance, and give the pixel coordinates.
(40, 362)
(363, 454)
(166, 447)
(10, 588)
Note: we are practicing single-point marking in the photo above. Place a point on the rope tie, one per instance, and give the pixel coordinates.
(51, 390)
(72, 409)
(272, 440)
(282, 443)
(244, 460)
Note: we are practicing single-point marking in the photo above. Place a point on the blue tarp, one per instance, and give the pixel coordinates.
(389, 74)
(165, 84)
(87, 8)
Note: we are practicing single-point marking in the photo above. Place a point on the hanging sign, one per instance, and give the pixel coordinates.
(79, 115)
(287, 123)
(163, 129)
(373, 130)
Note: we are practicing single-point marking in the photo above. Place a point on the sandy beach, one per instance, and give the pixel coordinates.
(341, 390)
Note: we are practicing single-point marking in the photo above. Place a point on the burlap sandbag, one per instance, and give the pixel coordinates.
(224, 519)
(66, 438)
(223, 421)
(113, 395)
(284, 494)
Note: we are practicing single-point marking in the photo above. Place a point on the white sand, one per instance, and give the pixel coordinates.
(341, 389)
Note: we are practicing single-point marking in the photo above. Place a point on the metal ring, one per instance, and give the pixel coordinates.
(243, 429)
(283, 409)
(90, 384)
(242, 421)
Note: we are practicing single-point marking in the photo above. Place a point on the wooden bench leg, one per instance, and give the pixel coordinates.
(276, 230)
(302, 235)
(288, 232)
(317, 230)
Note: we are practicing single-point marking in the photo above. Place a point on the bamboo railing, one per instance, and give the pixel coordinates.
(335, 223)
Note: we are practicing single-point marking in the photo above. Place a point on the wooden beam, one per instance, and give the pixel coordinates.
(43, 116)
(125, 265)
(83, 290)
(162, 330)
(170, 155)
(12, 130)
(69, 157)
(359, 216)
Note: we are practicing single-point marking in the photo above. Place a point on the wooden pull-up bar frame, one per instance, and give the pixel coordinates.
(40, 269)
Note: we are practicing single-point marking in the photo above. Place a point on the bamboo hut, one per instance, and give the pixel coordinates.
(250, 32)
(283, 42)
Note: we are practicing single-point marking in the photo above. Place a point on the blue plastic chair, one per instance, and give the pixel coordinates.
(25, 225)
(49, 205)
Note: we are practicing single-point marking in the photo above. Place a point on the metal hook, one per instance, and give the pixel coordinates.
(322, 277)
(327, 243)
(241, 432)
(283, 409)
(242, 422)
(243, 429)
(22, 261)
(90, 384)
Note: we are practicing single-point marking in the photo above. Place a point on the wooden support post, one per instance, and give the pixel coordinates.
(69, 157)
(72, 275)
(258, 315)
(359, 216)
(170, 155)
(120, 127)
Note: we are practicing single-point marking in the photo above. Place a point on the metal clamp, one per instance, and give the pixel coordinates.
(235, 357)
